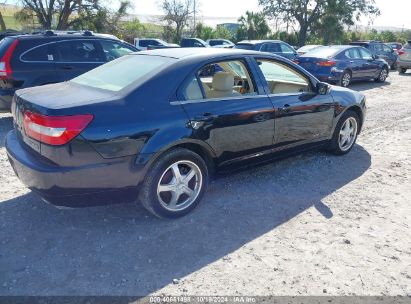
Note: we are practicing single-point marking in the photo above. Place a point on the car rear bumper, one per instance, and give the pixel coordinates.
(96, 184)
(404, 64)
(6, 95)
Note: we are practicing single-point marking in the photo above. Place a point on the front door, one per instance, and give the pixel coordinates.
(75, 57)
(227, 111)
(302, 116)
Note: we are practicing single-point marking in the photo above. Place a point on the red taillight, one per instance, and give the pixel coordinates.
(328, 63)
(5, 67)
(400, 52)
(54, 130)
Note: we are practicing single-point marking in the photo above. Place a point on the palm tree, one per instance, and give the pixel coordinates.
(253, 26)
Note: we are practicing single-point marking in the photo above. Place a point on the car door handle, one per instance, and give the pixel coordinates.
(205, 117)
(285, 108)
(67, 67)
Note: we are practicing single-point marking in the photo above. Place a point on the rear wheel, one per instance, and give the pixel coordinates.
(345, 134)
(383, 75)
(402, 70)
(175, 184)
(345, 79)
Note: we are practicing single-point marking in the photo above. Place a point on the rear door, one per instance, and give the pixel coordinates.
(36, 65)
(77, 56)
(302, 116)
(355, 62)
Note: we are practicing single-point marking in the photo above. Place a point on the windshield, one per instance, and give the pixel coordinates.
(119, 73)
(323, 52)
(244, 46)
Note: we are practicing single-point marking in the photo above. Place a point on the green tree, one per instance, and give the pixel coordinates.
(307, 13)
(252, 26)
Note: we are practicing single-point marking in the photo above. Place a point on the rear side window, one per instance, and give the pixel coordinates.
(39, 53)
(120, 73)
(365, 54)
(79, 51)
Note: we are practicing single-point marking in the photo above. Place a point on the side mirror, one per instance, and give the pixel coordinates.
(323, 88)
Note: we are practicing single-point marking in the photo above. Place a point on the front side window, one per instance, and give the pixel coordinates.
(113, 50)
(286, 49)
(281, 78)
(40, 53)
(122, 72)
(223, 79)
(387, 49)
(271, 48)
(353, 54)
(365, 54)
(79, 51)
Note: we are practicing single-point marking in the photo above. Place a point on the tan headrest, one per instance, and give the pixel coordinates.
(223, 81)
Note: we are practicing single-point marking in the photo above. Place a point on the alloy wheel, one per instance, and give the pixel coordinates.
(348, 133)
(383, 74)
(179, 185)
(346, 79)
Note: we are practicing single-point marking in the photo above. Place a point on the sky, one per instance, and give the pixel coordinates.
(394, 13)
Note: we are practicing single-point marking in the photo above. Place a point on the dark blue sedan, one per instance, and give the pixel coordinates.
(342, 64)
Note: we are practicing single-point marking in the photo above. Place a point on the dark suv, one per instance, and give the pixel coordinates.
(51, 57)
(381, 50)
(276, 47)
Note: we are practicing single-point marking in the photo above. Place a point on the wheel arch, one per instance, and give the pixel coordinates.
(199, 147)
(358, 111)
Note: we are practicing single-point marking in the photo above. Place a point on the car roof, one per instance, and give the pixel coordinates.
(179, 53)
(257, 41)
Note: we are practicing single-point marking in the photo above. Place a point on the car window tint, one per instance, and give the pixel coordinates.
(387, 49)
(78, 51)
(286, 49)
(378, 48)
(40, 53)
(365, 54)
(244, 46)
(122, 72)
(282, 78)
(113, 50)
(193, 90)
(226, 79)
(271, 48)
(144, 43)
(353, 54)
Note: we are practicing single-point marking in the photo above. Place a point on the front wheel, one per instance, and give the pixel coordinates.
(345, 134)
(383, 75)
(175, 184)
(345, 79)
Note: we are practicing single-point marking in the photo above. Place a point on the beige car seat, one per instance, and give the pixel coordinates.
(223, 84)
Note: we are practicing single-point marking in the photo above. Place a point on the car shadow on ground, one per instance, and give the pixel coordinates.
(122, 250)
(368, 85)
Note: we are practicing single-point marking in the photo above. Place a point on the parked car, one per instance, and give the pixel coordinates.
(220, 43)
(143, 44)
(306, 48)
(112, 133)
(193, 42)
(276, 47)
(343, 64)
(381, 50)
(404, 58)
(49, 57)
(396, 46)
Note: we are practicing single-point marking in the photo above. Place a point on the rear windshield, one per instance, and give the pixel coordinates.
(323, 52)
(120, 73)
(244, 46)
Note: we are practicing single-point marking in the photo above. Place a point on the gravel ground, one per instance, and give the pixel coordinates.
(313, 224)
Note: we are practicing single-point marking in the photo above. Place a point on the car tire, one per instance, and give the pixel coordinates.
(345, 79)
(167, 190)
(382, 76)
(402, 70)
(344, 139)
